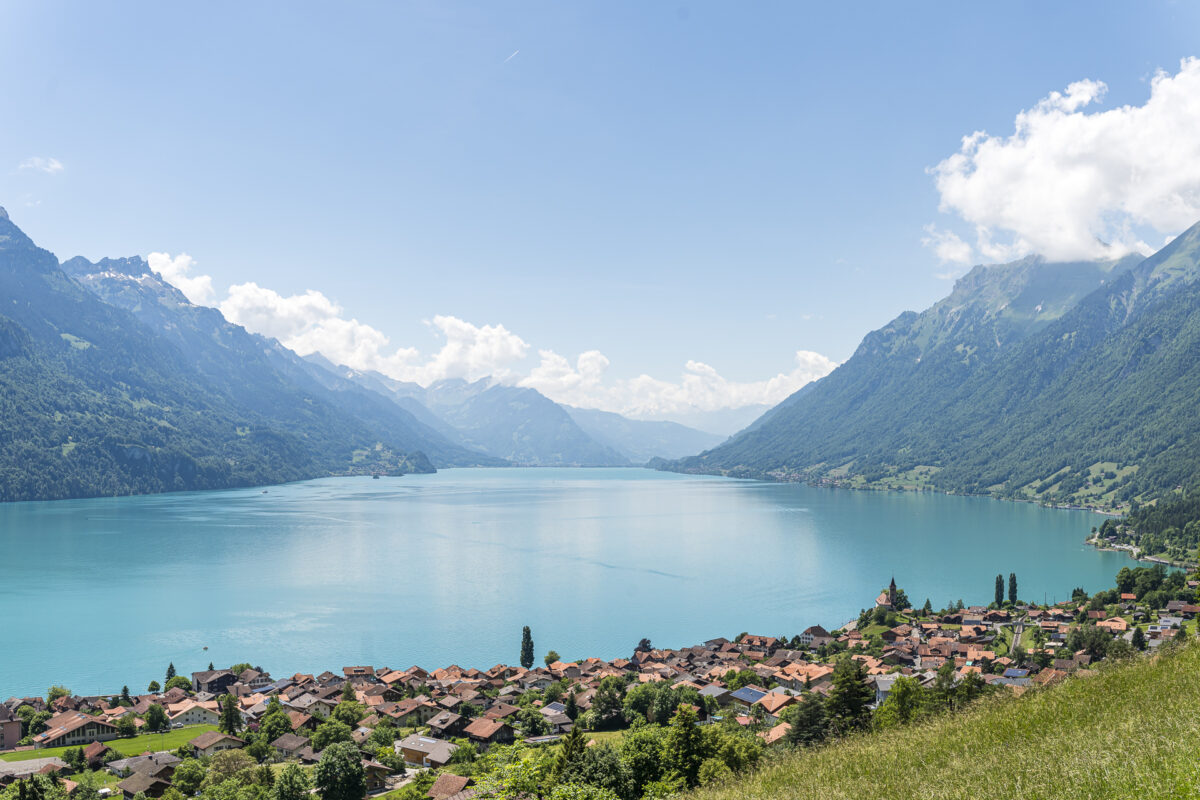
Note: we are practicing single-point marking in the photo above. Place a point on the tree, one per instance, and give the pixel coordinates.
(156, 718)
(532, 722)
(390, 759)
(291, 784)
(551, 657)
(1139, 639)
(572, 707)
(599, 766)
(582, 791)
(210, 666)
(810, 725)
(55, 692)
(329, 732)
(126, 727)
(349, 712)
(848, 704)
(126, 700)
(683, 750)
(943, 686)
(573, 746)
(274, 723)
(927, 609)
(1012, 588)
(178, 681)
(188, 776)
(526, 648)
(905, 702)
(170, 670)
(642, 753)
(339, 774)
(231, 717)
(154, 687)
(643, 646)
(609, 700)
(227, 765)
(74, 758)
(999, 590)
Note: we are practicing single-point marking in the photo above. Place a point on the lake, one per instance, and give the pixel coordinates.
(446, 568)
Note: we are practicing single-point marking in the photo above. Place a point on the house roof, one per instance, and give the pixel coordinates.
(209, 738)
(140, 782)
(68, 722)
(484, 728)
(447, 785)
(289, 741)
(748, 695)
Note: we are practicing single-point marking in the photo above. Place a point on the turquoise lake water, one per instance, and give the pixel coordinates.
(446, 568)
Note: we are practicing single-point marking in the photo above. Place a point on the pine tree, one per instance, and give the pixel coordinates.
(1139, 639)
(526, 648)
(572, 707)
(210, 666)
(999, 590)
(927, 610)
(573, 748)
(126, 700)
(231, 718)
(170, 670)
(848, 704)
(683, 750)
(810, 725)
(1012, 588)
(348, 691)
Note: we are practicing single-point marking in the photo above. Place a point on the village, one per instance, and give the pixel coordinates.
(427, 733)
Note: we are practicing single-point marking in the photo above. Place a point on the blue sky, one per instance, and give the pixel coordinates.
(656, 183)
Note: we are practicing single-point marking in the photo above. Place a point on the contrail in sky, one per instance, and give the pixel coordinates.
(510, 58)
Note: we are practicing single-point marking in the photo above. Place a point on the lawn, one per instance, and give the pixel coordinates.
(128, 747)
(1127, 732)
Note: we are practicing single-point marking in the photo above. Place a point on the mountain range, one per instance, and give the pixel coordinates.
(523, 426)
(1063, 382)
(112, 382)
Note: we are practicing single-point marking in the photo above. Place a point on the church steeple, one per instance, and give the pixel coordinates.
(892, 592)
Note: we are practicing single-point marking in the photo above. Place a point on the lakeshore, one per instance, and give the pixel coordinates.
(413, 729)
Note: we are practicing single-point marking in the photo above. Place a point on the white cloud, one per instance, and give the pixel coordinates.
(313, 323)
(700, 387)
(175, 271)
(949, 248)
(50, 166)
(1070, 184)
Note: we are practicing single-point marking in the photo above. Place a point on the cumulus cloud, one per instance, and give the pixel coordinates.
(947, 245)
(1070, 184)
(177, 272)
(311, 322)
(700, 387)
(50, 166)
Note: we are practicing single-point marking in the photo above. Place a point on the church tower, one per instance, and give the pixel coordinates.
(892, 593)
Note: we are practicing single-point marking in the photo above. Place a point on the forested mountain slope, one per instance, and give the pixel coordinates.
(1066, 382)
(95, 402)
(254, 371)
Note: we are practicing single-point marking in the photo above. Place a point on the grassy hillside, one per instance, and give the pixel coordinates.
(1130, 731)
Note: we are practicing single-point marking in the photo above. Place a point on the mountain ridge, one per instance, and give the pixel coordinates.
(989, 392)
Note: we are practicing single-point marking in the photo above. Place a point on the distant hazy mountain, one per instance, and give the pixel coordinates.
(518, 424)
(642, 440)
(1059, 381)
(723, 422)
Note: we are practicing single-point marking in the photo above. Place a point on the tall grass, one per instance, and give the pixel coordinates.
(1130, 731)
